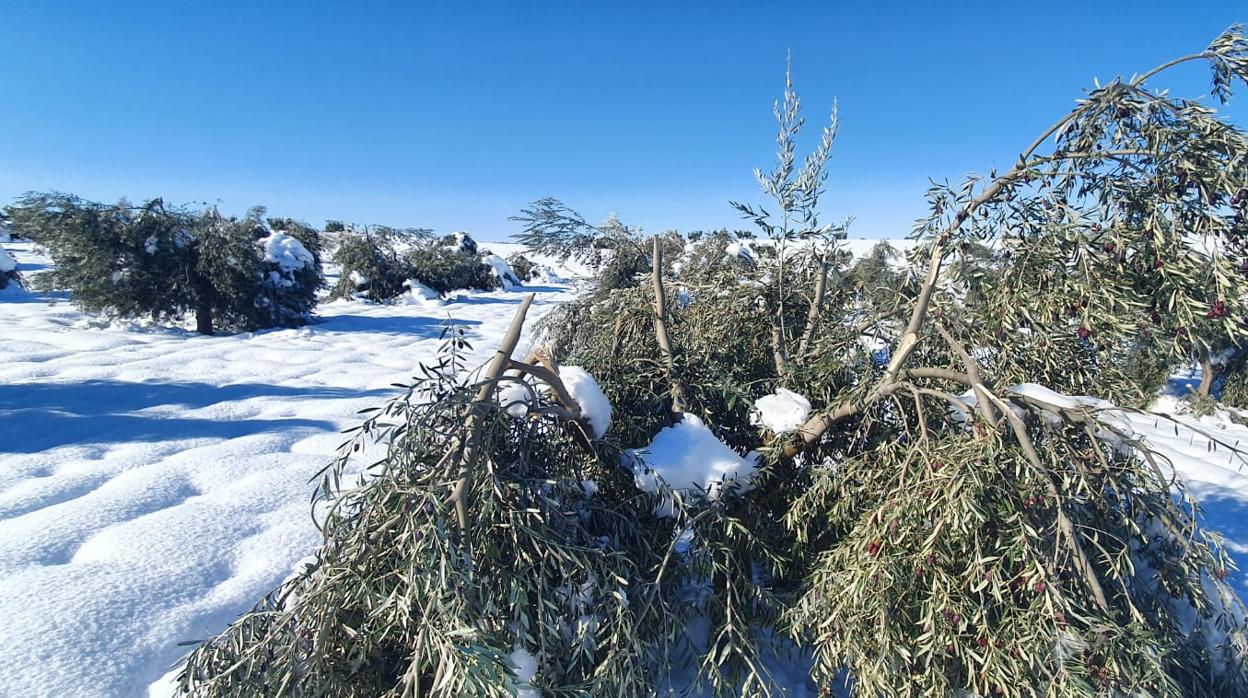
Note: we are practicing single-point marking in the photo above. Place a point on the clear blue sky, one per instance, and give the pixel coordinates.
(454, 115)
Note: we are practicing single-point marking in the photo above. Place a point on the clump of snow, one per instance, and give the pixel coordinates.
(738, 250)
(502, 271)
(7, 263)
(151, 245)
(525, 665)
(688, 456)
(514, 395)
(286, 252)
(418, 293)
(595, 406)
(782, 411)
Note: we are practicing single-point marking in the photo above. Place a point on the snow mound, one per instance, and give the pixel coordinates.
(502, 271)
(688, 456)
(7, 263)
(286, 252)
(782, 411)
(589, 396)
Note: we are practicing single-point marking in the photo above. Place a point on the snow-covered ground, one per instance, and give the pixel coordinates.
(154, 483)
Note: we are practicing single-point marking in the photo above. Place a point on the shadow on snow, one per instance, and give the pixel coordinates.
(39, 416)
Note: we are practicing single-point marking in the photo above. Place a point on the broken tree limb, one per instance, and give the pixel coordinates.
(477, 412)
(982, 403)
(816, 308)
(660, 326)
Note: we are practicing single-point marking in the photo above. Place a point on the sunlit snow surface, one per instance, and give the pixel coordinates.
(154, 484)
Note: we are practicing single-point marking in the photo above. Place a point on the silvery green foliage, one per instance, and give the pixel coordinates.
(375, 263)
(166, 263)
(1125, 225)
(614, 250)
(401, 601)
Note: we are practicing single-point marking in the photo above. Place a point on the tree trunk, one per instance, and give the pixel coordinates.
(1208, 374)
(203, 320)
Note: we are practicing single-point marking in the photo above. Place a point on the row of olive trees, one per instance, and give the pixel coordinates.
(381, 263)
(167, 263)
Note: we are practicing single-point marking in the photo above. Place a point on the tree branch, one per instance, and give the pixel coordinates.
(816, 307)
(477, 411)
(660, 326)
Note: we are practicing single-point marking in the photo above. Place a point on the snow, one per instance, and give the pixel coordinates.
(463, 242)
(688, 456)
(286, 252)
(780, 412)
(502, 271)
(589, 396)
(416, 293)
(739, 249)
(154, 483)
(525, 665)
(515, 396)
(7, 263)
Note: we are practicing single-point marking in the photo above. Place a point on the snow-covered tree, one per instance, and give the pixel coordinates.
(165, 263)
(379, 263)
(8, 270)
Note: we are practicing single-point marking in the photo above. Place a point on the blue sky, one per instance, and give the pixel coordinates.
(455, 115)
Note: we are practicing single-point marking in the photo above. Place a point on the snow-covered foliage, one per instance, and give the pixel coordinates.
(377, 264)
(523, 267)
(166, 263)
(502, 271)
(286, 252)
(688, 456)
(461, 242)
(8, 269)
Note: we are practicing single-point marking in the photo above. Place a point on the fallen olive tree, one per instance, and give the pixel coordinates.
(923, 517)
